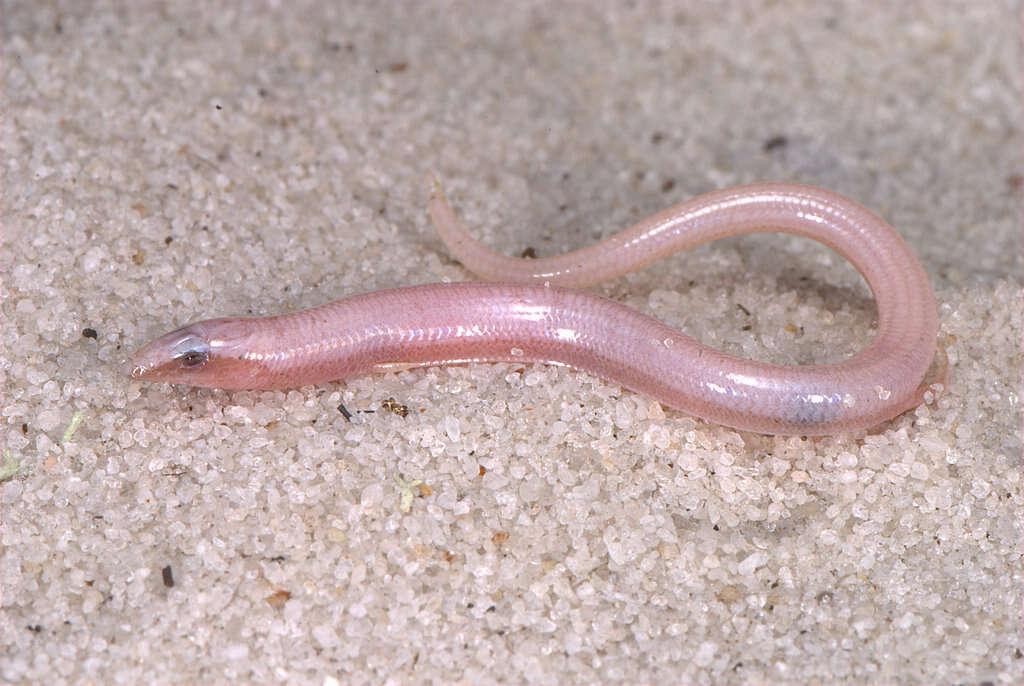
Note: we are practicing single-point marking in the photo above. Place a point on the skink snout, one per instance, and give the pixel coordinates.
(164, 358)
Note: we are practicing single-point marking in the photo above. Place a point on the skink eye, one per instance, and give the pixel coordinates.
(192, 358)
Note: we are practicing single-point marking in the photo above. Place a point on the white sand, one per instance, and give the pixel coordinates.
(164, 163)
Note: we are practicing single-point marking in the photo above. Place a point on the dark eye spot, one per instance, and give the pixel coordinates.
(192, 358)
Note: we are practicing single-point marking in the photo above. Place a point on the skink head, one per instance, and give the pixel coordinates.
(210, 353)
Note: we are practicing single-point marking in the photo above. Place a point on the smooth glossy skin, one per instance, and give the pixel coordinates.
(542, 322)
